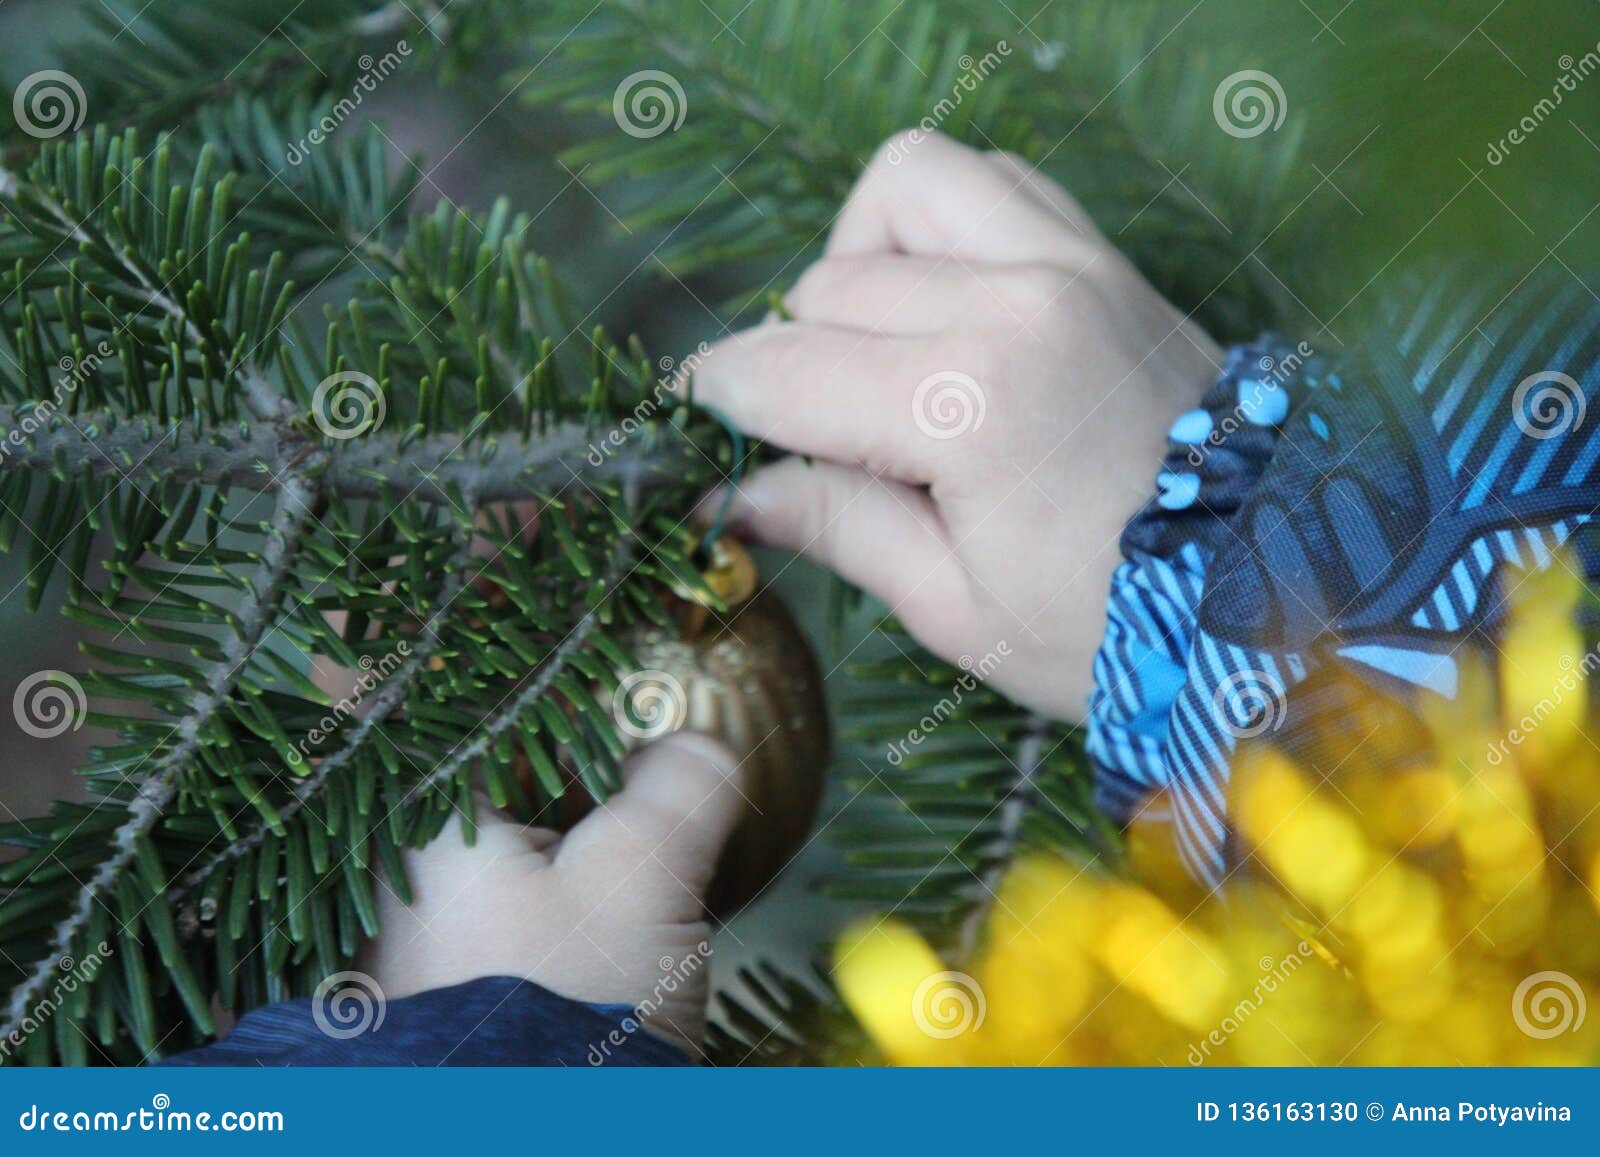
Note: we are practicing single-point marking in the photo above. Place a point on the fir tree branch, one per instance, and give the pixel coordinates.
(255, 53)
(393, 694)
(444, 297)
(505, 716)
(817, 155)
(397, 15)
(261, 399)
(160, 786)
(1013, 810)
(434, 469)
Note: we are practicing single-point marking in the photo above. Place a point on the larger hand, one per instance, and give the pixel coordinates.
(984, 384)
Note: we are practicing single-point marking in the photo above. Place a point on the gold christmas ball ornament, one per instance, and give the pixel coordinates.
(747, 677)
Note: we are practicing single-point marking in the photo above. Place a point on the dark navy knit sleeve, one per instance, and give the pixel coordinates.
(497, 1020)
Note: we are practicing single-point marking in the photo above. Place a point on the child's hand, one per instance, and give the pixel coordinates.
(968, 331)
(606, 914)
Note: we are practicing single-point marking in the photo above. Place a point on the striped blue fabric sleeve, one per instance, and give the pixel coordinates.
(1216, 454)
(1357, 519)
(496, 1020)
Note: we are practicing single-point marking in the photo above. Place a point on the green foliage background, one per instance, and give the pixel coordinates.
(1378, 183)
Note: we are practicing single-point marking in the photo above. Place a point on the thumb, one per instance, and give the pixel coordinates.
(660, 836)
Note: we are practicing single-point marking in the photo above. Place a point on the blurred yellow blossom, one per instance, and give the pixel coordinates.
(887, 968)
(1432, 902)
(1544, 664)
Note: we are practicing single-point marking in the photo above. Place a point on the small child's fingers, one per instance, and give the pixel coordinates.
(660, 836)
(901, 296)
(496, 838)
(897, 295)
(438, 937)
(923, 193)
(827, 391)
(883, 536)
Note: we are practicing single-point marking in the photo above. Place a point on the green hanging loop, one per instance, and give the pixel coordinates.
(719, 521)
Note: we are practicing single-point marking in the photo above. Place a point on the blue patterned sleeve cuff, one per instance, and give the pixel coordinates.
(1364, 529)
(1216, 454)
